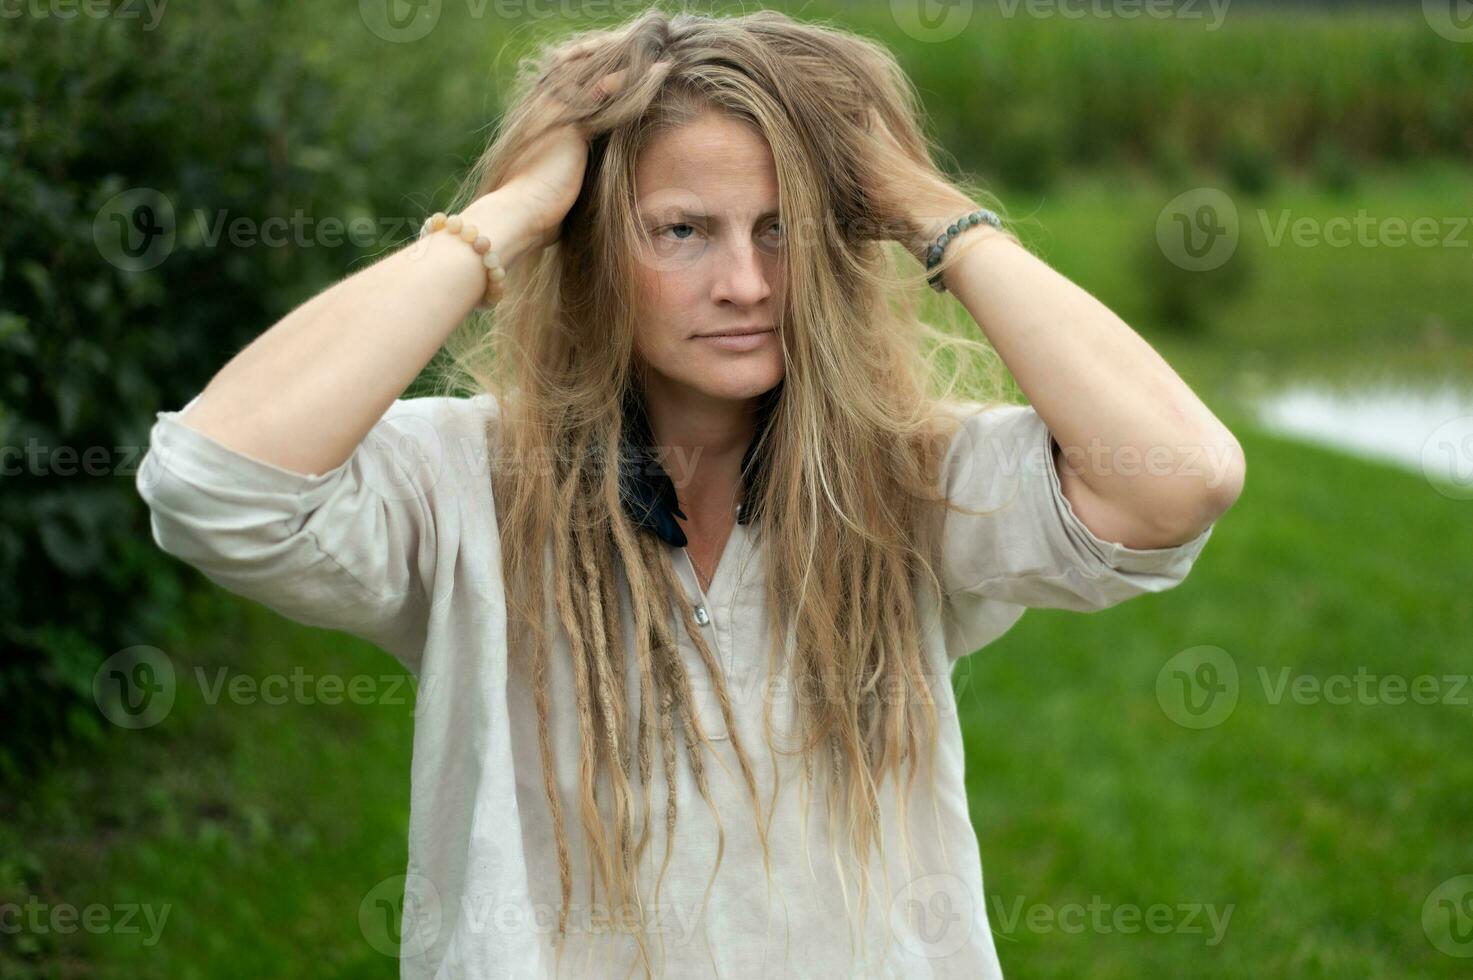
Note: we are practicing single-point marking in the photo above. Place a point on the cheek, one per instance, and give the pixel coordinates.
(669, 300)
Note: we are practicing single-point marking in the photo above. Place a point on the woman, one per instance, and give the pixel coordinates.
(733, 533)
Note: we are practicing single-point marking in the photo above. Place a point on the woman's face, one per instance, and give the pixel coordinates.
(712, 261)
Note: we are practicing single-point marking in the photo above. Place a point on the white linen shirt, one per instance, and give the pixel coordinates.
(399, 545)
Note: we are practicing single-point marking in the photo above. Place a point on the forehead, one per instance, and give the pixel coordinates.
(714, 161)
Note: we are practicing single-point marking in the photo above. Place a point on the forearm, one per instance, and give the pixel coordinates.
(1127, 423)
(305, 393)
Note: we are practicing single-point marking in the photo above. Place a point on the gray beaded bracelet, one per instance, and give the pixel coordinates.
(938, 247)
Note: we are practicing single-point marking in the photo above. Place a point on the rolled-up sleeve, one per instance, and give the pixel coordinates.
(352, 549)
(1031, 549)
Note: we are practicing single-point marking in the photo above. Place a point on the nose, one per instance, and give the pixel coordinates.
(743, 275)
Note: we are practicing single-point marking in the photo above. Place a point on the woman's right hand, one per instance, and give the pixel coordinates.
(548, 175)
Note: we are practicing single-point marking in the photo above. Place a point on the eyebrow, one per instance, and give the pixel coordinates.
(681, 214)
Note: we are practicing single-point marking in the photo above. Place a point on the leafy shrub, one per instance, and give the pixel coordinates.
(129, 155)
(1030, 154)
(1250, 159)
(1184, 300)
(1334, 169)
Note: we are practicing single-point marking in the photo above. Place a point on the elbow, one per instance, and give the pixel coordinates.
(1218, 489)
(1225, 477)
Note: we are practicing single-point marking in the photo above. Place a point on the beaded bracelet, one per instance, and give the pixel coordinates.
(934, 252)
(466, 232)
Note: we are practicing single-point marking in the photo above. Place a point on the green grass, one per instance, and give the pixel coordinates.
(261, 826)
(1324, 826)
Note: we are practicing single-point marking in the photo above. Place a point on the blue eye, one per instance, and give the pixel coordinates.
(680, 225)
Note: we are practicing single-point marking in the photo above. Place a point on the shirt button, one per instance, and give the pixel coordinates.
(701, 617)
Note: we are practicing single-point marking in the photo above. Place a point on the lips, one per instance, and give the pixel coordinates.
(738, 331)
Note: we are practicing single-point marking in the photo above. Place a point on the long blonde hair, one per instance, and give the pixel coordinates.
(853, 445)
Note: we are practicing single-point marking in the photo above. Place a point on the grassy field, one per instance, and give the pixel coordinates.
(1322, 827)
(260, 826)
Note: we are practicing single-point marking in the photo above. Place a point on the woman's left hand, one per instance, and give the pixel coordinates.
(911, 199)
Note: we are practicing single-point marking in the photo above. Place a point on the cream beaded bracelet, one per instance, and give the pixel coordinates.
(466, 232)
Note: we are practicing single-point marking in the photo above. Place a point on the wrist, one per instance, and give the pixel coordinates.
(974, 224)
(503, 217)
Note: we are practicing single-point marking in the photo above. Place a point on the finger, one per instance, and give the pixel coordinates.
(610, 84)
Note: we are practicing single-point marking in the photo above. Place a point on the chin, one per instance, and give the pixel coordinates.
(737, 379)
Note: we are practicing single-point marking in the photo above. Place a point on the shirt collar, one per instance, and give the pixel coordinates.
(648, 493)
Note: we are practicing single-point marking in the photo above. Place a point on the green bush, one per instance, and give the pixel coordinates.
(1334, 169)
(1183, 300)
(1250, 158)
(110, 130)
(1030, 154)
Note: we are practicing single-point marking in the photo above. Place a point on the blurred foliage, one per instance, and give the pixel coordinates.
(1259, 92)
(224, 126)
(1183, 300)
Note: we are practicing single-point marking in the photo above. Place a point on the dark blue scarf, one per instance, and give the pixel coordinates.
(648, 492)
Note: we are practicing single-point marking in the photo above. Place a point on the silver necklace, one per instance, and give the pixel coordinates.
(701, 578)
